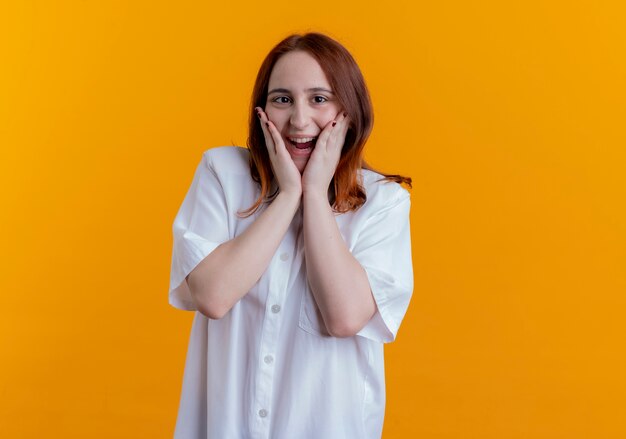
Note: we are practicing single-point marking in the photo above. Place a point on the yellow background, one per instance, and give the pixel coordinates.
(509, 117)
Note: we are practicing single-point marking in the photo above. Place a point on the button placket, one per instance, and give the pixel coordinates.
(280, 272)
(269, 338)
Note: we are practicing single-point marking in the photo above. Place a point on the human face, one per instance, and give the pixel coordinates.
(300, 103)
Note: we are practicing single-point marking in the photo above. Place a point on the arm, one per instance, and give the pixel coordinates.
(339, 283)
(228, 273)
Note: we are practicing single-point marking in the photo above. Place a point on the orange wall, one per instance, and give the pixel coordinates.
(509, 117)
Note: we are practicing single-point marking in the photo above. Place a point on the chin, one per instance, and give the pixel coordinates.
(301, 165)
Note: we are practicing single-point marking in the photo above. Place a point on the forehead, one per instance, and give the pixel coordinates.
(297, 70)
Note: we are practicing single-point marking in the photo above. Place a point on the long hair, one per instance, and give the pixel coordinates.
(348, 85)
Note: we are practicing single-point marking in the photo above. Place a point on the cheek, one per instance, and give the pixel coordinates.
(324, 118)
(275, 117)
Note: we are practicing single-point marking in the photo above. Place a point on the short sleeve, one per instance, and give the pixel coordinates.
(383, 249)
(200, 226)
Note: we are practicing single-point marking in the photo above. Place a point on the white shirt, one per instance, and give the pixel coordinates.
(268, 368)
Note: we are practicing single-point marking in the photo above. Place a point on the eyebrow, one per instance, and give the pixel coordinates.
(284, 90)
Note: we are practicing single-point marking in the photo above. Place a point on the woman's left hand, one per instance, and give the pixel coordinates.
(320, 168)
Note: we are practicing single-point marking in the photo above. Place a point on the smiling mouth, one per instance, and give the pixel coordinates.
(305, 143)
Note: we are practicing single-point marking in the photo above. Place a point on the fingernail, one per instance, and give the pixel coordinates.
(345, 114)
(258, 114)
(334, 123)
(267, 124)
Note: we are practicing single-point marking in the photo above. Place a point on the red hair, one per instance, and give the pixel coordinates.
(349, 88)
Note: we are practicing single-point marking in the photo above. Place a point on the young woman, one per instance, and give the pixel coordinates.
(296, 257)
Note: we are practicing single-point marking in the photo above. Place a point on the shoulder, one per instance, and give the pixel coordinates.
(382, 193)
(227, 159)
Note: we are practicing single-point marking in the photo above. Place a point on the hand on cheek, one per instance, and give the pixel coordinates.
(285, 171)
(321, 167)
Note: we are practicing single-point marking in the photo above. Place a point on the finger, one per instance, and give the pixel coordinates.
(334, 132)
(272, 132)
(345, 125)
(269, 139)
(341, 129)
(342, 119)
(277, 138)
(323, 138)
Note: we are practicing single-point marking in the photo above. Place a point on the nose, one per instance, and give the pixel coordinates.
(300, 116)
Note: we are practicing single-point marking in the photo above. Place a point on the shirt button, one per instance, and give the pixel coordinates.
(263, 413)
(275, 309)
(284, 256)
(268, 359)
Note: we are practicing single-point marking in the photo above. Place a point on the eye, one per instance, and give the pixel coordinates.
(279, 101)
(320, 99)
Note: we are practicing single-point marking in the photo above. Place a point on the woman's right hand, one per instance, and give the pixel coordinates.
(285, 170)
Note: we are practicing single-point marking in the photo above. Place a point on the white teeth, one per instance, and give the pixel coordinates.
(304, 140)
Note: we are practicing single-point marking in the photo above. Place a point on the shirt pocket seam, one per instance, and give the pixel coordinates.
(307, 307)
